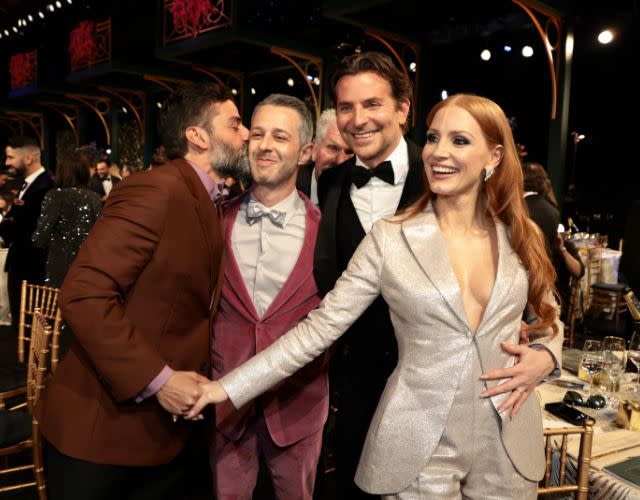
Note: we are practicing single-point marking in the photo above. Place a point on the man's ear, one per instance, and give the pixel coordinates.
(314, 151)
(305, 154)
(197, 137)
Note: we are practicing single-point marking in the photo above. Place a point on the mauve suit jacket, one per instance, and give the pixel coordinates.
(140, 295)
(408, 264)
(297, 407)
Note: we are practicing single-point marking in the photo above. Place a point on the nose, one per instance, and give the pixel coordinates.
(244, 133)
(359, 116)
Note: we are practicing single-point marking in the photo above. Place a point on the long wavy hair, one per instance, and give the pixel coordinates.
(502, 196)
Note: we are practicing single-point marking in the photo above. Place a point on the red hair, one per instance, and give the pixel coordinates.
(502, 196)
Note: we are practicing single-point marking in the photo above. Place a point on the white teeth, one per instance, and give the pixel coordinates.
(363, 135)
(444, 170)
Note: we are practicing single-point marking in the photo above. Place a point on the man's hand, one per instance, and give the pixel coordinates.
(180, 392)
(533, 366)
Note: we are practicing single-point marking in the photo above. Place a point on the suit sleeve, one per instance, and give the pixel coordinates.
(47, 221)
(116, 252)
(356, 289)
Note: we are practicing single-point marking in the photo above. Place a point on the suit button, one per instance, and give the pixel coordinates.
(203, 367)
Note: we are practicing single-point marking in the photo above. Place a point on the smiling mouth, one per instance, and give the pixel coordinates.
(440, 170)
(362, 135)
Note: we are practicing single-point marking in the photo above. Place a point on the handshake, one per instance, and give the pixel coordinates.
(185, 394)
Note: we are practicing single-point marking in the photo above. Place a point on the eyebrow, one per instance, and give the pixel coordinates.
(453, 132)
(274, 131)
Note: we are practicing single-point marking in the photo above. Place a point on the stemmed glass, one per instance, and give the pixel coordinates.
(615, 362)
(592, 361)
(634, 356)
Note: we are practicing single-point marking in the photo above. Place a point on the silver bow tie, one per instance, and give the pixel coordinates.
(255, 211)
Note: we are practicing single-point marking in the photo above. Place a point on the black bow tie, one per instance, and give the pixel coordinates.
(361, 175)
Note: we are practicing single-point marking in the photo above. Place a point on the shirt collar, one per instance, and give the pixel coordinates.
(290, 205)
(208, 183)
(399, 159)
(30, 178)
(529, 193)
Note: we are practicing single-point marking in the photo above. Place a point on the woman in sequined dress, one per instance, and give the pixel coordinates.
(68, 214)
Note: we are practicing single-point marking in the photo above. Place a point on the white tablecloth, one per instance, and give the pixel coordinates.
(5, 313)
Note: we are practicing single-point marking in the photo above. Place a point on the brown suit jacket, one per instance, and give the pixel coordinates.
(137, 297)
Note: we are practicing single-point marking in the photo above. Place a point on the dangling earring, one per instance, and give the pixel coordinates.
(488, 172)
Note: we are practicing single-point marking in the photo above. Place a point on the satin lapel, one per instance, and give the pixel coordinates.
(302, 271)
(423, 236)
(508, 263)
(232, 275)
(209, 218)
(414, 185)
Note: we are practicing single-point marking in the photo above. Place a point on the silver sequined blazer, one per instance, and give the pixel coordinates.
(407, 263)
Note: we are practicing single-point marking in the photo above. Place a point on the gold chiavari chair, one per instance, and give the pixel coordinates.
(44, 298)
(20, 429)
(13, 379)
(581, 485)
(573, 308)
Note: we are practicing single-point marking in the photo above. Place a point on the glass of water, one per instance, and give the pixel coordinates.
(592, 361)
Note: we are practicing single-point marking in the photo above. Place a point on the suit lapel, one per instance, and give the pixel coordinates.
(508, 263)
(425, 240)
(209, 217)
(414, 185)
(301, 272)
(233, 276)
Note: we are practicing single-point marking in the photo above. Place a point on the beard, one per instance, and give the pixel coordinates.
(227, 161)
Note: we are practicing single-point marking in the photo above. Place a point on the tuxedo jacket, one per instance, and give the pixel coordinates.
(303, 181)
(545, 215)
(298, 407)
(19, 224)
(140, 295)
(407, 263)
(95, 184)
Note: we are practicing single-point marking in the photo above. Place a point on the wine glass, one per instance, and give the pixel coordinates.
(592, 361)
(615, 362)
(634, 356)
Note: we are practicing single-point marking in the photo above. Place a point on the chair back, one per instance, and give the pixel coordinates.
(581, 485)
(572, 311)
(39, 349)
(45, 298)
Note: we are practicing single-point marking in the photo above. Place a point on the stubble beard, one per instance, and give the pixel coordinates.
(227, 161)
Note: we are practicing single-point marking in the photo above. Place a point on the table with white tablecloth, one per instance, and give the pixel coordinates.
(5, 312)
(611, 445)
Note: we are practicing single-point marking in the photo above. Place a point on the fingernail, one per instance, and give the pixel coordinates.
(483, 393)
(483, 377)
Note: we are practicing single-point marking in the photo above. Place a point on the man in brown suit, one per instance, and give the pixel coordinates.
(140, 298)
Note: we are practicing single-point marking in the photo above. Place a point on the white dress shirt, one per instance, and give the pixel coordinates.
(107, 185)
(313, 190)
(29, 180)
(378, 199)
(266, 254)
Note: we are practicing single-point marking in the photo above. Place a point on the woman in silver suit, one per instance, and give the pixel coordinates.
(458, 270)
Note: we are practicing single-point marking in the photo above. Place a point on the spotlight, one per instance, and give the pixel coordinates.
(290, 82)
(605, 37)
(159, 104)
(310, 78)
(30, 18)
(412, 67)
(124, 109)
(51, 7)
(485, 55)
(6, 32)
(41, 14)
(253, 91)
(444, 94)
(58, 4)
(527, 51)
(108, 151)
(15, 30)
(234, 91)
(507, 48)
(316, 81)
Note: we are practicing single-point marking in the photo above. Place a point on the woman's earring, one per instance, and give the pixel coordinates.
(488, 172)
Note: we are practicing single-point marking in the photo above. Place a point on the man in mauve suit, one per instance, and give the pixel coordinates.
(140, 298)
(372, 99)
(24, 260)
(270, 235)
(329, 150)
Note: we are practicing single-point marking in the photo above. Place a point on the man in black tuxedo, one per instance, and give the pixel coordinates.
(102, 182)
(372, 99)
(329, 150)
(24, 260)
